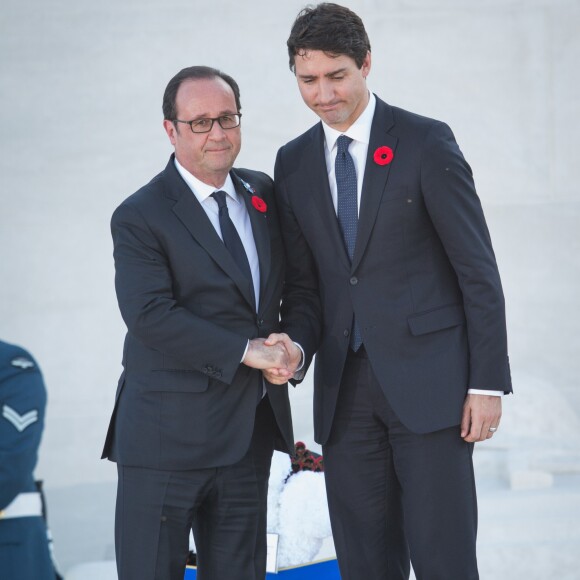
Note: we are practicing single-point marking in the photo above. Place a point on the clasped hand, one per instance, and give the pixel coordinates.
(277, 356)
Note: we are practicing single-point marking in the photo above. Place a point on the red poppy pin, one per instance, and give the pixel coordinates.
(383, 155)
(259, 203)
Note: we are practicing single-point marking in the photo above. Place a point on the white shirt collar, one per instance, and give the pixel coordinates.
(202, 190)
(360, 130)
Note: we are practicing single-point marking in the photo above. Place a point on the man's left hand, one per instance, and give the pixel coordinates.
(279, 376)
(481, 416)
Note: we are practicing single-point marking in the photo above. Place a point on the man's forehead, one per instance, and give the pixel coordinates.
(200, 87)
(201, 93)
(320, 62)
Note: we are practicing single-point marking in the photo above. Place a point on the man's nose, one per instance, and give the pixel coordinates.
(325, 92)
(216, 131)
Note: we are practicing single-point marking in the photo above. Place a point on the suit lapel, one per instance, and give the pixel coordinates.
(259, 223)
(375, 178)
(318, 189)
(194, 218)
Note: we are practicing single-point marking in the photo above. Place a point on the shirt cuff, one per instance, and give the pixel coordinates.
(245, 351)
(299, 367)
(484, 392)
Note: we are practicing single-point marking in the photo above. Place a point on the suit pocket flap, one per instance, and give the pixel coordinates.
(438, 319)
(178, 381)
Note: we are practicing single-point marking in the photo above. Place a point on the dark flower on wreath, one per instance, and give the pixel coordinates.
(318, 464)
(383, 155)
(306, 460)
(299, 448)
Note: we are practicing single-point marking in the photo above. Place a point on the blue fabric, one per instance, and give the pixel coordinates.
(345, 172)
(24, 553)
(326, 570)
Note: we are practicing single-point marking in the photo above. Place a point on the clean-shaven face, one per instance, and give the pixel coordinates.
(333, 86)
(208, 156)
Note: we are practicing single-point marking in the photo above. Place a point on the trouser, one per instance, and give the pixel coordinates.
(225, 507)
(391, 491)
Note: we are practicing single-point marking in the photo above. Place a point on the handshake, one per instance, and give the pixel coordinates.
(276, 356)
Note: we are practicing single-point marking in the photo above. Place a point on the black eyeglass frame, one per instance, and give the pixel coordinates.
(218, 119)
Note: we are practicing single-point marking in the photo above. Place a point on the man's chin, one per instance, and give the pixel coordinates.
(220, 162)
(334, 120)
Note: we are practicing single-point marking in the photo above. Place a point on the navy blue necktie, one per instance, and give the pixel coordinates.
(347, 205)
(231, 237)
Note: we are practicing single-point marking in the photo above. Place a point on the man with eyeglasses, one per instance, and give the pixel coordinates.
(199, 262)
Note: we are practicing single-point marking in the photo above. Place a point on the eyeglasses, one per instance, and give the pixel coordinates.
(206, 125)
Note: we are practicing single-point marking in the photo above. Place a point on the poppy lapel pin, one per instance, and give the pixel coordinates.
(257, 201)
(383, 155)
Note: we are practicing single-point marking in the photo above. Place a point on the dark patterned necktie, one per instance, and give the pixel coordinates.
(231, 237)
(347, 210)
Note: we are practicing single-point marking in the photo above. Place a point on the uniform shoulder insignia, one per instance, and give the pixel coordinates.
(22, 362)
(19, 421)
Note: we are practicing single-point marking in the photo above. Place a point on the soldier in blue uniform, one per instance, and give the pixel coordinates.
(24, 550)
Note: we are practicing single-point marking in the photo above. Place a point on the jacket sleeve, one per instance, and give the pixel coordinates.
(144, 287)
(301, 313)
(456, 213)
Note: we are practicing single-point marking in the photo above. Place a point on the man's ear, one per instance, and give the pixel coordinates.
(366, 66)
(171, 130)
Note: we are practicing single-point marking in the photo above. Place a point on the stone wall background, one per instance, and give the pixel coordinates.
(80, 129)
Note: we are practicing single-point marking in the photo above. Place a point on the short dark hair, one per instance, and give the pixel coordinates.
(194, 73)
(334, 29)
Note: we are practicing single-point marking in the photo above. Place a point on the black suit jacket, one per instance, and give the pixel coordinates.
(423, 284)
(184, 400)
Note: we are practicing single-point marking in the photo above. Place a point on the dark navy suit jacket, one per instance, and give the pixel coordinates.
(184, 400)
(423, 285)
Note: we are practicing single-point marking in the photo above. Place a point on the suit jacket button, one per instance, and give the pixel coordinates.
(354, 281)
(260, 321)
(346, 332)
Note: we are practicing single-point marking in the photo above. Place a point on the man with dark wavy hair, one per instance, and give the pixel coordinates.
(391, 278)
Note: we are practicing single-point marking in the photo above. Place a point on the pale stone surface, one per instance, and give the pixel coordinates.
(105, 570)
(521, 480)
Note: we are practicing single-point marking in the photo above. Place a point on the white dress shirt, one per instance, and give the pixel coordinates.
(238, 214)
(360, 133)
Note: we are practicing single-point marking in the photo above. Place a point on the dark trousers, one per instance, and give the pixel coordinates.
(391, 491)
(225, 507)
